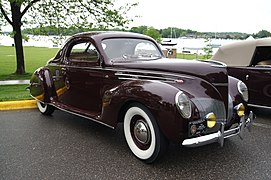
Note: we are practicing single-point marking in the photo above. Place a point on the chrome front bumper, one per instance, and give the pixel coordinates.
(221, 134)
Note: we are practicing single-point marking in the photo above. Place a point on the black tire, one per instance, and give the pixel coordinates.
(45, 109)
(143, 135)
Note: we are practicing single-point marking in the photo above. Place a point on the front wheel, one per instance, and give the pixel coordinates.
(143, 135)
(45, 109)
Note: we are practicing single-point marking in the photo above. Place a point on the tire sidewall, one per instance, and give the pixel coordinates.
(42, 107)
(150, 154)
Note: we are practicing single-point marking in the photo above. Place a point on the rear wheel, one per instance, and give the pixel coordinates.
(143, 135)
(45, 109)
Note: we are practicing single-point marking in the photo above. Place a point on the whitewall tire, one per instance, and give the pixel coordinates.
(44, 108)
(142, 134)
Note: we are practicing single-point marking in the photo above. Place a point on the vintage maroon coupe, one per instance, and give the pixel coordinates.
(250, 61)
(112, 77)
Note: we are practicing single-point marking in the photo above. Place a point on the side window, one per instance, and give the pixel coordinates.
(83, 52)
(262, 56)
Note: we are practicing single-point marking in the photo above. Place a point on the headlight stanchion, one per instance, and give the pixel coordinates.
(221, 138)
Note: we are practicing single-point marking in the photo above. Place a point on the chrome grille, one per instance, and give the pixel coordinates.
(207, 105)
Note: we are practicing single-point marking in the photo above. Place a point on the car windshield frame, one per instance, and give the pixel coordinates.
(130, 49)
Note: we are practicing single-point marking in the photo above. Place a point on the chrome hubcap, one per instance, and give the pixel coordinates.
(142, 132)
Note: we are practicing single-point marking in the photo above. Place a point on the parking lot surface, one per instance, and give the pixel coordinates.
(64, 146)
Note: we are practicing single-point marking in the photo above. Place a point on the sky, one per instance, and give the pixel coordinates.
(247, 16)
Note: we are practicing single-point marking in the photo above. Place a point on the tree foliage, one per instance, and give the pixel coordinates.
(80, 13)
(173, 32)
(263, 34)
(208, 49)
(154, 33)
(139, 29)
(58, 13)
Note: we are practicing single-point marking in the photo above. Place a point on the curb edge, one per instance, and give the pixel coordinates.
(12, 105)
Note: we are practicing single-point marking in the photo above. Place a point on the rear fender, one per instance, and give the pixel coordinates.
(41, 85)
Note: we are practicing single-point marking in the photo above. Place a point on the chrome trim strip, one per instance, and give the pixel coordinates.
(127, 78)
(86, 117)
(217, 63)
(133, 76)
(220, 84)
(92, 119)
(150, 72)
(221, 134)
(259, 106)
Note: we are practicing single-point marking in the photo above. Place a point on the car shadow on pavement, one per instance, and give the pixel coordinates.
(261, 112)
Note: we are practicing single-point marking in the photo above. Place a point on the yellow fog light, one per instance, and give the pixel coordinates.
(211, 120)
(240, 108)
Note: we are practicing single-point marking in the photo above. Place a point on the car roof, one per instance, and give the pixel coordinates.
(110, 34)
(239, 53)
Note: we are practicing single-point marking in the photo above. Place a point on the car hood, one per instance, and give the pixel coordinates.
(210, 71)
(213, 72)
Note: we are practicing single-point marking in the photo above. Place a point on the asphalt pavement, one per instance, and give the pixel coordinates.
(64, 146)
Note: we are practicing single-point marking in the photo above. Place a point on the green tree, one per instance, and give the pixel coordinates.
(263, 34)
(81, 13)
(208, 49)
(139, 29)
(154, 33)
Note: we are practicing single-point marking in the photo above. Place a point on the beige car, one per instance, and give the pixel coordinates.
(250, 61)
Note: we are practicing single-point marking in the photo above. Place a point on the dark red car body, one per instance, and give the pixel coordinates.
(250, 61)
(168, 100)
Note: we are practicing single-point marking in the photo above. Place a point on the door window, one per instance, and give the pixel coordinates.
(83, 52)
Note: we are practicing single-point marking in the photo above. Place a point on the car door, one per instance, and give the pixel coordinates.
(259, 76)
(259, 79)
(83, 78)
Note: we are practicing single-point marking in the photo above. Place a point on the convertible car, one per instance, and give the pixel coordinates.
(113, 77)
(250, 61)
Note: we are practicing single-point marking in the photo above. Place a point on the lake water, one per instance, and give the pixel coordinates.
(188, 45)
(195, 46)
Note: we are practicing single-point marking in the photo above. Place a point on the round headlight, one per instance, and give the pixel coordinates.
(242, 88)
(183, 104)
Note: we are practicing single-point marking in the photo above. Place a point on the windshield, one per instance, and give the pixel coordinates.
(128, 49)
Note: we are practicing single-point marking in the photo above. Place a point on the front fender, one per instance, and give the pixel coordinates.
(157, 96)
(42, 86)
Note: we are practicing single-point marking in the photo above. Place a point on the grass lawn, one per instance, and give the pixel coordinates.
(35, 57)
(14, 92)
(189, 56)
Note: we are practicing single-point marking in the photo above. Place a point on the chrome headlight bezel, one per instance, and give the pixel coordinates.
(243, 90)
(183, 104)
